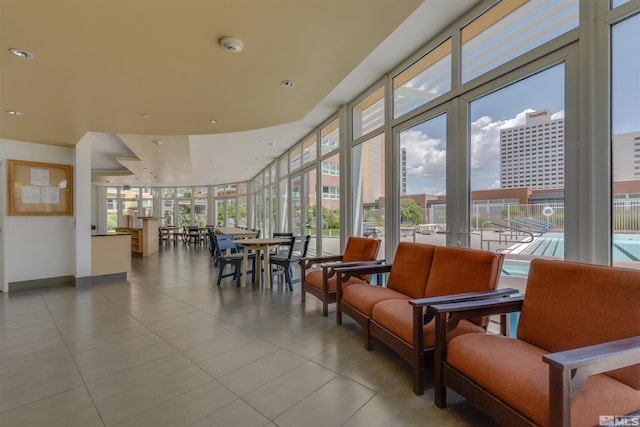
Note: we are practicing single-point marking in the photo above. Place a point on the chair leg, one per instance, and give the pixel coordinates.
(237, 273)
(220, 269)
(325, 309)
(287, 277)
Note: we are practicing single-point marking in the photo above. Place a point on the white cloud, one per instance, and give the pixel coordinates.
(426, 156)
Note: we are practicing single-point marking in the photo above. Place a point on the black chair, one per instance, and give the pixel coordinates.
(225, 252)
(280, 264)
(191, 234)
(282, 249)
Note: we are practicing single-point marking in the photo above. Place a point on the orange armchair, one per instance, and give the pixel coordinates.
(321, 283)
(576, 356)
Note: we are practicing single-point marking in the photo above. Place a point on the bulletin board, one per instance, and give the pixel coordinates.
(40, 188)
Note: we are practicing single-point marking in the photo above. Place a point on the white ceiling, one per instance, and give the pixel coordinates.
(100, 65)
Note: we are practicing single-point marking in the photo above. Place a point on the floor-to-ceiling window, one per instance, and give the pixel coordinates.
(185, 203)
(368, 180)
(296, 204)
(167, 206)
(200, 205)
(329, 186)
(625, 139)
(423, 179)
(517, 169)
(112, 208)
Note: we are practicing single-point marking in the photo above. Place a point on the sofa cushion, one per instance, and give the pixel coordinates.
(457, 270)
(410, 268)
(569, 305)
(314, 278)
(396, 315)
(363, 297)
(513, 371)
(360, 249)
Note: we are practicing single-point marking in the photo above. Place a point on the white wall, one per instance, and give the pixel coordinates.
(35, 247)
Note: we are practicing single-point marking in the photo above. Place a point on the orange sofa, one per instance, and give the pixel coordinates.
(576, 356)
(420, 275)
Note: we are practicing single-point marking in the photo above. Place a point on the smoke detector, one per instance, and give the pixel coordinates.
(231, 45)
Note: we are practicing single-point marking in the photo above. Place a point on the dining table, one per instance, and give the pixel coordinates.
(261, 246)
(235, 232)
(169, 233)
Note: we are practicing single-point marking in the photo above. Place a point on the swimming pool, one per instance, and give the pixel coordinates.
(625, 248)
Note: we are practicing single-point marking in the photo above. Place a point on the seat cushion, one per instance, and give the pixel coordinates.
(513, 371)
(314, 278)
(363, 297)
(396, 315)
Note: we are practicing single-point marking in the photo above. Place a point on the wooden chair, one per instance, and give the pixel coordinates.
(575, 357)
(321, 283)
(282, 262)
(226, 253)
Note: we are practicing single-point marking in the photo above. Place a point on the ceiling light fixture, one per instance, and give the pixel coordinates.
(157, 141)
(231, 45)
(144, 115)
(214, 121)
(287, 83)
(21, 53)
(14, 112)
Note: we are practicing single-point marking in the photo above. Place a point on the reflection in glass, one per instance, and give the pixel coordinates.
(426, 79)
(512, 28)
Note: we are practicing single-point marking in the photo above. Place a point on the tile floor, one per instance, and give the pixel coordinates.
(169, 348)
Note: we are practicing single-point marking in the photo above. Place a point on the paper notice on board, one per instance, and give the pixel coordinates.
(30, 194)
(50, 195)
(40, 177)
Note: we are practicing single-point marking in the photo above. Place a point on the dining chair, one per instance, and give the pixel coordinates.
(191, 234)
(283, 248)
(280, 264)
(226, 253)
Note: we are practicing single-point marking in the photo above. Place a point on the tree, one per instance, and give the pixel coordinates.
(410, 212)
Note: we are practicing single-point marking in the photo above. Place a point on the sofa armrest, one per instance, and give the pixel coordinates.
(568, 371)
(447, 317)
(357, 268)
(307, 262)
(420, 303)
(321, 259)
(477, 308)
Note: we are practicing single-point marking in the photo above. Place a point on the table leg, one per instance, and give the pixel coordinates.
(267, 269)
(243, 272)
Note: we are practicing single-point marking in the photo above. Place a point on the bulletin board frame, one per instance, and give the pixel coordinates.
(37, 188)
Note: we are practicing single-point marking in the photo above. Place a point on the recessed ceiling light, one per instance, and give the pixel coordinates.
(157, 141)
(21, 53)
(14, 112)
(214, 121)
(144, 115)
(273, 144)
(287, 83)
